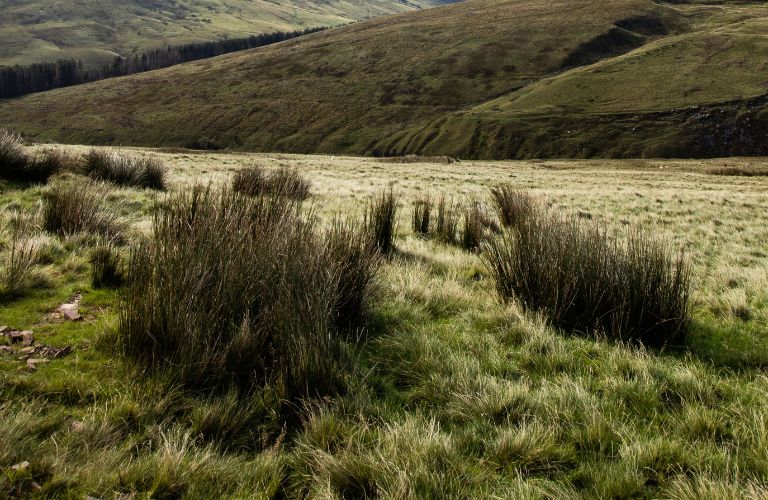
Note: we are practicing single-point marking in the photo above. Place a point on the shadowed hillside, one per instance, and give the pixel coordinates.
(485, 78)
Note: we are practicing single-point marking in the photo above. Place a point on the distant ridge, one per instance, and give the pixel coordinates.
(34, 31)
(479, 79)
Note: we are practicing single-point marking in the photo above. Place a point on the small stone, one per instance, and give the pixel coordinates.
(53, 352)
(60, 353)
(36, 485)
(6, 348)
(20, 466)
(71, 314)
(4, 329)
(27, 350)
(69, 311)
(32, 363)
(27, 338)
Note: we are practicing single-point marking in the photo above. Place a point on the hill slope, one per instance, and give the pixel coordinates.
(485, 78)
(95, 31)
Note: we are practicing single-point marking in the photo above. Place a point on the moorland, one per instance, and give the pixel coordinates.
(444, 390)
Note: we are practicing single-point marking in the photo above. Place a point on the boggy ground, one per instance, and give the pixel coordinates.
(456, 395)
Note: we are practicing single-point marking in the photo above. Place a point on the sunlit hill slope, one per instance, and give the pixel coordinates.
(483, 78)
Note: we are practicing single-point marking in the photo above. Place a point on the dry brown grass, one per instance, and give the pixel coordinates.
(740, 171)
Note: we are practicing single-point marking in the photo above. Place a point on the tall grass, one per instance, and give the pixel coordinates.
(124, 170)
(106, 266)
(357, 264)
(18, 272)
(231, 289)
(421, 216)
(478, 225)
(512, 205)
(584, 279)
(447, 224)
(381, 221)
(19, 165)
(13, 156)
(285, 182)
(72, 207)
(739, 171)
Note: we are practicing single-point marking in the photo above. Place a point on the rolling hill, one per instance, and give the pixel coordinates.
(482, 79)
(95, 31)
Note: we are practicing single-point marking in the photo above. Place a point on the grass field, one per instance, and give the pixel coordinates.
(44, 30)
(524, 79)
(454, 394)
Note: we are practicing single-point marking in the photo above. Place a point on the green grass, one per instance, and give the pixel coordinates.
(453, 394)
(43, 31)
(523, 79)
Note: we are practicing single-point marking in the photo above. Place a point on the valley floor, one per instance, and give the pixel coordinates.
(458, 395)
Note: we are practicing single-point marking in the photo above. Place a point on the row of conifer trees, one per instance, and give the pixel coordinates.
(17, 81)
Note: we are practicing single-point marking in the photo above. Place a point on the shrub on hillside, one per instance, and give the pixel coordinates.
(583, 279)
(285, 182)
(381, 220)
(124, 170)
(231, 289)
(72, 207)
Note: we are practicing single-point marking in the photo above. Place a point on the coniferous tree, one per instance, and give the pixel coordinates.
(16, 81)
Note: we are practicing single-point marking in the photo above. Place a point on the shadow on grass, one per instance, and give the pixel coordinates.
(734, 345)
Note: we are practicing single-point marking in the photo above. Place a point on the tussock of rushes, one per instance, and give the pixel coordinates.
(16, 164)
(13, 156)
(285, 182)
(447, 225)
(583, 279)
(72, 207)
(19, 272)
(242, 290)
(421, 216)
(358, 263)
(381, 221)
(106, 266)
(478, 225)
(124, 170)
(512, 205)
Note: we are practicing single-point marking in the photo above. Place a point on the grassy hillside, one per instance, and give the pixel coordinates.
(700, 93)
(486, 78)
(454, 395)
(45, 30)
